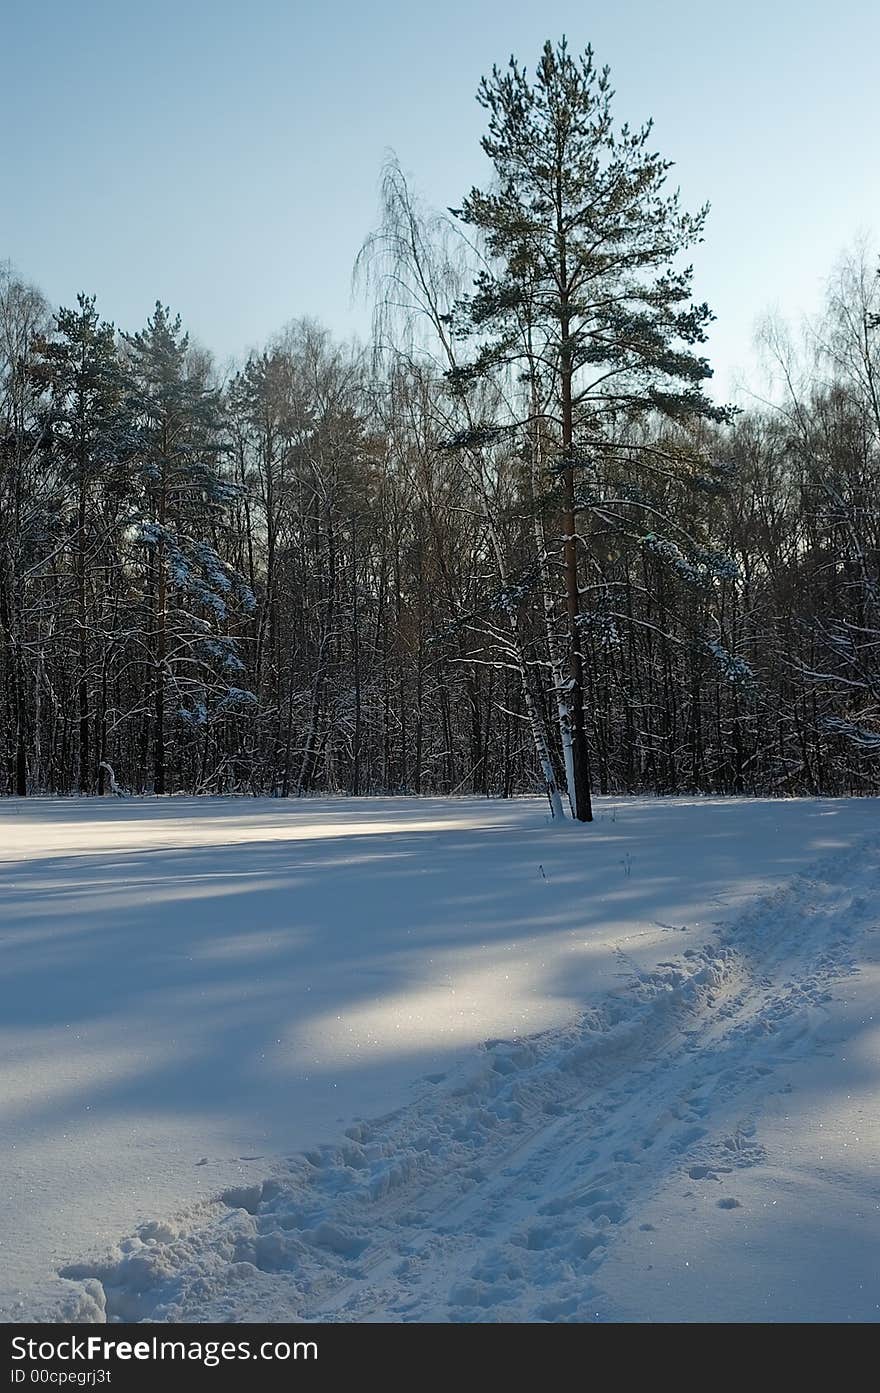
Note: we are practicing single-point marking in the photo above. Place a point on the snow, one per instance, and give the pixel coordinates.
(416, 1059)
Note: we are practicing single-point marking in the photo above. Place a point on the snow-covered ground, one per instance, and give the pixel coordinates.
(439, 1059)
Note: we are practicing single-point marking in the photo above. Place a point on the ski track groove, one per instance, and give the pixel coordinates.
(496, 1195)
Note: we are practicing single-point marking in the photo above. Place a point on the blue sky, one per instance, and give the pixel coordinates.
(225, 156)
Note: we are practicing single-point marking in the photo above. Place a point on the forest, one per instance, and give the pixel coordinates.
(511, 544)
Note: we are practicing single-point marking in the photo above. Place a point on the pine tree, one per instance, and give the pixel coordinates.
(28, 515)
(79, 367)
(191, 589)
(581, 295)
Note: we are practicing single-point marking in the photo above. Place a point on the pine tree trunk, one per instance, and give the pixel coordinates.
(563, 713)
(159, 671)
(85, 772)
(582, 808)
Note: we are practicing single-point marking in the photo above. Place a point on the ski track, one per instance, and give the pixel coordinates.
(496, 1196)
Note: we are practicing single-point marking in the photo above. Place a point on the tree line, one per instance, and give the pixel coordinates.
(511, 544)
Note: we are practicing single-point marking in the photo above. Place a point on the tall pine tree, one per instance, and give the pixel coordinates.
(79, 367)
(581, 296)
(183, 496)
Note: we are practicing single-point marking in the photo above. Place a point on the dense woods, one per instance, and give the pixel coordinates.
(513, 544)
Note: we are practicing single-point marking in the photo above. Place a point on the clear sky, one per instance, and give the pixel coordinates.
(224, 156)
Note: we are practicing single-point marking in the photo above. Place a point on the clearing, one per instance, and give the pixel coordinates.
(433, 1059)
